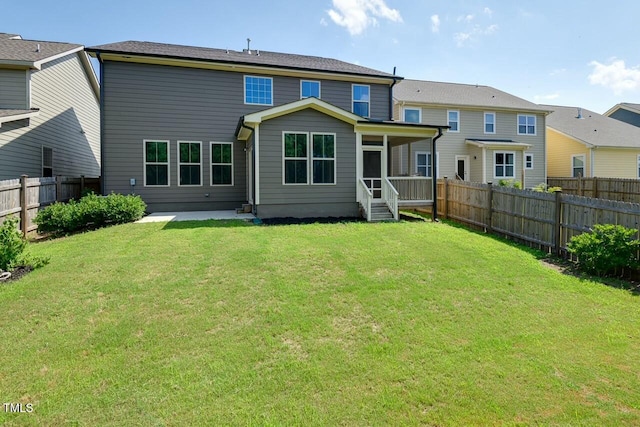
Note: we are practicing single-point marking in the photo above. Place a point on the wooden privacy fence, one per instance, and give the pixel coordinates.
(25, 196)
(547, 221)
(624, 190)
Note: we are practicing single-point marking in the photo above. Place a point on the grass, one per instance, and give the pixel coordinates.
(210, 323)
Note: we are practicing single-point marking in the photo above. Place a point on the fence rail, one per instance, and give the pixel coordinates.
(624, 190)
(26, 196)
(547, 221)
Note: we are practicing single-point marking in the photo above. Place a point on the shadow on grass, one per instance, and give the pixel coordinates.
(564, 266)
(209, 223)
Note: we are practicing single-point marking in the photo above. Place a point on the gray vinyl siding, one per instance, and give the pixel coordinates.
(13, 89)
(627, 116)
(143, 101)
(68, 122)
(277, 199)
(471, 126)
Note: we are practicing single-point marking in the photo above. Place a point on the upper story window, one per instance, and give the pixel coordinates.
(412, 115)
(453, 117)
(156, 163)
(489, 122)
(309, 88)
(361, 99)
(258, 90)
(526, 125)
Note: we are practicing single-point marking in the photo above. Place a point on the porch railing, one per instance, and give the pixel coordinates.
(365, 197)
(413, 189)
(390, 197)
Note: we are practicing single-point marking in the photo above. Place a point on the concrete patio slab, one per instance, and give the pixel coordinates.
(194, 216)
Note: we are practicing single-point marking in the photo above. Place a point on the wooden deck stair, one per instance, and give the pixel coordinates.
(380, 212)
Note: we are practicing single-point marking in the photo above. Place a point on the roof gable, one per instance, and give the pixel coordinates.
(592, 128)
(633, 108)
(32, 53)
(460, 95)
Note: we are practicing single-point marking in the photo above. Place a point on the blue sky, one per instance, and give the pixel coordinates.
(563, 52)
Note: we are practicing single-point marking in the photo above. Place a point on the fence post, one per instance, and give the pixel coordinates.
(595, 187)
(557, 226)
(445, 208)
(24, 212)
(580, 192)
(58, 188)
(490, 209)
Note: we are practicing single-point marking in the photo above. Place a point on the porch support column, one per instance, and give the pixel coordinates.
(256, 150)
(385, 160)
(358, 156)
(409, 162)
(484, 165)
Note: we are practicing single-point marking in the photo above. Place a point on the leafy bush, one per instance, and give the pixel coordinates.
(544, 188)
(510, 183)
(12, 243)
(606, 249)
(91, 211)
(12, 248)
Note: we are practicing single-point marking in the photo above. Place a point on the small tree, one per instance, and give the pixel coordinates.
(12, 244)
(606, 249)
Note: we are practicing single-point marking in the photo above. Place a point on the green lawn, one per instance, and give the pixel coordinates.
(205, 323)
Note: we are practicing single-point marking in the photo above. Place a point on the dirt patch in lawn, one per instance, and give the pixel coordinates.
(18, 273)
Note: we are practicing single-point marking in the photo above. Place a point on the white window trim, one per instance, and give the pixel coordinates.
(211, 144)
(353, 85)
(584, 164)
(311, 81)
(515, 163)
(428, 154)
(638, 168)
(168, 162)
(335, 161)
(525, 161)
(284, 159)
(189, 164)
(418, 109)
(43, 166)
(535, 124)
(495, 120)
(244, 90)
(453, 111)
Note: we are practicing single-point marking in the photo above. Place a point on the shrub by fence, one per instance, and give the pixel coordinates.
(25, 196)
(547, 221)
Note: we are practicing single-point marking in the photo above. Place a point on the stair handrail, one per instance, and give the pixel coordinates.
(390, 197)
(365, 197)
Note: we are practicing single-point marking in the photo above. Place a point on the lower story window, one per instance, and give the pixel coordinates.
(423, 164)
(221, 163)
(324, 158)
(295, 152)
(47, 162)
(156, 163)
(577, 165)
(528, 161)
(190, 163)
(505, 165)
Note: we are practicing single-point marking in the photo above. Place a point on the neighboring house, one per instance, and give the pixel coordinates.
(625, 112)
(583, 143)
(49, 109)
(193, 128)
(493, 136)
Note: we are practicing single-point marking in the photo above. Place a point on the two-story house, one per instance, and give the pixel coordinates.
(493, 135)
(49, 109)
(194, 128)
(625, 112)
(584, 143)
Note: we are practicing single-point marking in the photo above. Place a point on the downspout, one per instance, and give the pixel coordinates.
(395, 80)
(434, 181)
(102, 180)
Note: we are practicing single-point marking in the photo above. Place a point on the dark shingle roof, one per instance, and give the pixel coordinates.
(593, 128)
(31, 51)
(463, 95)
(9, 36)
(256, 58)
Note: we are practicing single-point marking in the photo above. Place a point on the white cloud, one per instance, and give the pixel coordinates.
(616, 76)
(549, 97)
(557, 71)
(323, 22)
(465, 18)
(488, 11)
(357, 15)
(435, 24)
(477, 31)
